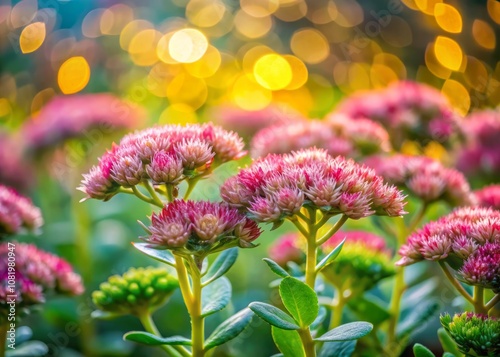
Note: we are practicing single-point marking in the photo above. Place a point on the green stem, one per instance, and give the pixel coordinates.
(170, 194)
(154, 196)
(312, 248)
(3, 338)
(300, 227)
(191, 184)
(307, 342)
(145, 198)
(417, 219)
(337, 308)
(455, 283)
(149, 326)
(197, 320)
(492, 302)
(332, 230)
(478, 298)
(395, 305)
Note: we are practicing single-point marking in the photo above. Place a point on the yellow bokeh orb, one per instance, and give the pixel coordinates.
(272, 71)
(187, 45)
(73, 75)
(32, 37)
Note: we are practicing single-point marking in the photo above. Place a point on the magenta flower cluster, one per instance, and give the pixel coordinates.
(165, 155)
(367, 240)
(488, 196)
(200, 227)
(67, 117)
(36, 274)
(338, 135)
(424, 178)
(278, 186)
(407, 110)
(482, 268)
(457, 235)
(17, 213)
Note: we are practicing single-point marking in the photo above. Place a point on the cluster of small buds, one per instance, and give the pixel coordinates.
(480, 156)
(86, 116)
(287, 249)
(200, 227)
(364, 258)
(277, 186)
(424, 178)
(408, 110)
(339, 135)
(17, 213)
(137, 291)
(482, 267)
(36, 274)
(488, 196)
(474, 334)
(248, 123)
(166, 155)
(15, 172)
(456, 235)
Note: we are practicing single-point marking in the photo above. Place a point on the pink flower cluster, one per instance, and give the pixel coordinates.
(163, 154)
(488, 196)
(14, 173)
(369, 241)
(408, 110)
(482, 268)
(424, 178)
(339, 135)
(278, 186)
(17, 213)
(78, 116)
(480, 156)
(199, 227)
(36, 274)
(457, 235)
(287, 249)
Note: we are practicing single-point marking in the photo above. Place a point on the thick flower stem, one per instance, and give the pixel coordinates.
(307, 342)
(157, 201)
(143, 197)
(3, 338)
(191, 184)
(332, 230)
(312, 248)
(455, 283)
(149, 326)
(478, 303)
(491, 304)
(337, 308)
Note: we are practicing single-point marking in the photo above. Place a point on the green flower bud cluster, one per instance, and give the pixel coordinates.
(475, 334)
(137, 291)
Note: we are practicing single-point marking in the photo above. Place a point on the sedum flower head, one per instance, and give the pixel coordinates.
(456, 235)
(474, 334)
(482, 267)
(488, 196)
(200, 227)
(275, 187)
(424, 178)
(137, 291)
(37, 273)
(364, 258)
(17, 213)
(163, 154)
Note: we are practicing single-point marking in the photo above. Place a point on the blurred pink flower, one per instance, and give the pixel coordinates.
(286, 249)
(366, 239)
(13, 171)
(488, 196)
(17, 213)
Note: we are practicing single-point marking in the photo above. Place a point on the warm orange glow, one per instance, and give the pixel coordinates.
(73, 75)
(273, 72)
(448, 53)
(448, 18)
(187, 45)
(32, 37)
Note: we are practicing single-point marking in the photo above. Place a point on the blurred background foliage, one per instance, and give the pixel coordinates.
(183, 60)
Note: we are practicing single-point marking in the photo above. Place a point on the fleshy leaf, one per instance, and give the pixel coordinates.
(330, 257)
(162, 255)
(288, 342)
(229, 329)
(319, 319)
(338, 349)
(149, 339)
(276, 269)
(368, 307)
(273, 316)
(300, 300)
(216, 296)
(221, 265)
(422, 351)
(347, 332)
(447, 342)
(417, 317)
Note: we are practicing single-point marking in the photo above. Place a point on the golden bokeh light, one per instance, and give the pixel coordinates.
(249, 95)
(188, 90)
(381, 75)
(252, 55)
(205, 13)
(250, 26)
(187, 45)
(131, 29)
(349, 13)
(476, 74)
(41, 98)
(178, 113)
(259, 8)
(32, 37)
(207, 65)
(427, 6)
(391, 61)
(433, 65)
(310, 45)
(300, 73)
(142, 47)
(290, 11)
(448, 18)
(483, 34)
(273, 72)
(448, 53)
(494, 10)
(73, 75)
(457, 94)
(114, 19)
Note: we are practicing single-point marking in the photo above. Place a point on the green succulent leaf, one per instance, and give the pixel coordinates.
(229, 329)
(300, 300)
(215, 296)
(422, 351)
(288, 342)
(330, 257)
(347, 332)
(221, 265)
(447, 342)
(273, 316)
(149, 339)
(448, 354)
(319, 319)
(369, 308)
(338, 349)
(276, 269)
(162, 255)
(417, 317)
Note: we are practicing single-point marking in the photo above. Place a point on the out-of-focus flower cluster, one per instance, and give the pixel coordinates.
(409, 111)
(78, 116)
(17, 213)
(287, 248)
(424, 178)
(488, 196)
(138, 291)
(166, 155)
(200, 227)
(474, 334)
(339, 135)
(35, 274)
(278, 186)
(13, 173)
(480, 157)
